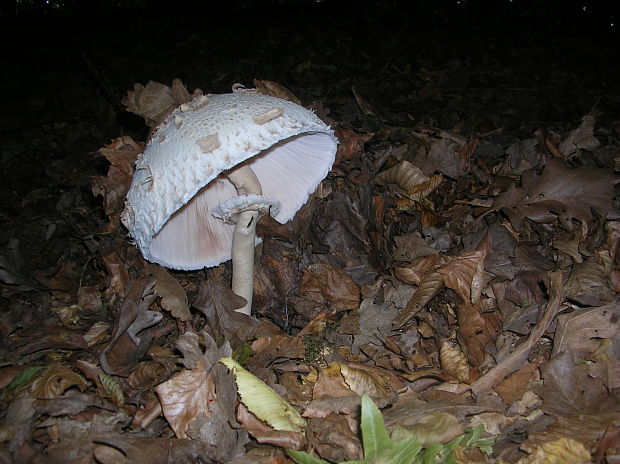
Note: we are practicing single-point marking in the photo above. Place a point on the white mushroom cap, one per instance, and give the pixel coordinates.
(180, 179)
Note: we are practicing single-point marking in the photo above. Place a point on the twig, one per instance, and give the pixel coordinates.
(517, 359)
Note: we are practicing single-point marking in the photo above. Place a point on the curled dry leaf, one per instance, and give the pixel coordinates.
(265, 434)
(147, 374)
(263, 402)
(324, 283)
(155, 101)
(275, 90)
(430, 285)
(406, 175)
(453, 361)
(333, 439)
(581, 138)
(269, 350)
(476, 330)
(465, 275)
(331, 383)
(364, 381)
(173, 297)
(412, 273)
(126, 346)
(562, 451)
(55, 380)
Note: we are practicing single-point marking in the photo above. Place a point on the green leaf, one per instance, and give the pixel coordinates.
(23, 377)
(374, 435)
(262, 401)
(304, 458)
(431, 453)
(404, 451)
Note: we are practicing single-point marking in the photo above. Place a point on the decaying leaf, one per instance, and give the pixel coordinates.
(326, 284)
(558, 193)
(579, 331)
(464, 274)
(454, 362)
(155, 101)
(430, 285)
(173, 297)
(562, 451)
(568, 390)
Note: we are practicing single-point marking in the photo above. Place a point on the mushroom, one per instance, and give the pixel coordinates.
(212, 168)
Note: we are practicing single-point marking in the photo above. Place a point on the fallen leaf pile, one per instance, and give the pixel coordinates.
(439, 298)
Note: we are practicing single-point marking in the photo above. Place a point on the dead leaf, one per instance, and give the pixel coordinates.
(173, 297)
(275, 90)
(558, 193)
(454, 362)
(513, 387)
(55, 380)
(465, 275)
(332, 438)
(328, 285)
(430, 285)
(568, 390)
(579, 332)
(581, 138)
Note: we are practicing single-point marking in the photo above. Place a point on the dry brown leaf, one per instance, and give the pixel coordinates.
(513, 387)
(588, 284)
(568, 390)
(453, 361)
(579, 332)
(147, 374)
(332, 438)
(155, 101)
(122, 152)
(581, 138)
(331, 383)
(412, 273)
(465, 275)
(173, 297)
(315, 326)
(438, 427)
(404, 174)
(364, 381)
(186, 396)
(587, 429)
(558, 193)
(55, 380)
(430, 285)
(275, 90)
(476, 330)
(277, 348)
(265, 434)
(562, 451)
(129, 339)
(328, 285)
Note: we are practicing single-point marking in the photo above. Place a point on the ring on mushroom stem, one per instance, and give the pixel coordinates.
(214, 166)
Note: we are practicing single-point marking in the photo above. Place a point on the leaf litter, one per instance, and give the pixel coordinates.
(466, 282)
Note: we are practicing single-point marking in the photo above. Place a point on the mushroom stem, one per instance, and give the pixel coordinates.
(244, 237)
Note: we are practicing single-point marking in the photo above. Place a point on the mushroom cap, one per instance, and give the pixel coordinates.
(181, 176)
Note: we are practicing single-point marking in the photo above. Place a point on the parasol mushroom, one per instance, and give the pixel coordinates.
(212, 168)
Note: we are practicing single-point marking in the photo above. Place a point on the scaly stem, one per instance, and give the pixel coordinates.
(244, 237)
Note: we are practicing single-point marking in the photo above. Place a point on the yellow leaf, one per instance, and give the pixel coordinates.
(262, 401)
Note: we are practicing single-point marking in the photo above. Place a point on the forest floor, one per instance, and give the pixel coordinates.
(459, 264)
